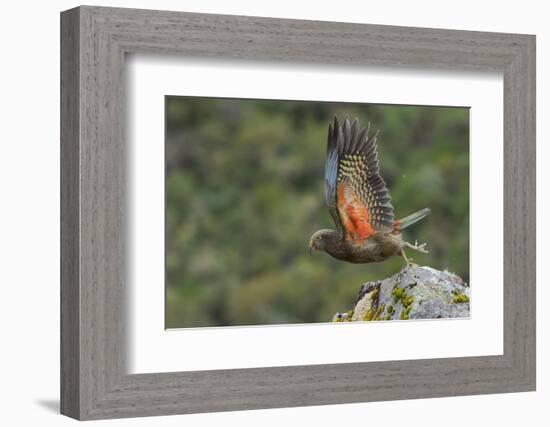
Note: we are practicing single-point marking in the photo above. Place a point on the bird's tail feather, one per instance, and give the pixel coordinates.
(412, 219)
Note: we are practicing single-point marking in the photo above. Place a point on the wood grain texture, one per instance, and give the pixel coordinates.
(70, 292)
(94, 272)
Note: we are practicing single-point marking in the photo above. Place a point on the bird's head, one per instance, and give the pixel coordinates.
(321, 240)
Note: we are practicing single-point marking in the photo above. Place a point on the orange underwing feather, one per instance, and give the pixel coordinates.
(396, 227)
(354, 215)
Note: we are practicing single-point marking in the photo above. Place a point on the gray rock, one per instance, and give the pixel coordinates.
(414, 293)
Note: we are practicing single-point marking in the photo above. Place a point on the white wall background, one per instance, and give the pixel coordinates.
(29, 212)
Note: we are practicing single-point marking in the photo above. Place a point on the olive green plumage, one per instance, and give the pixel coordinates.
(359, 201)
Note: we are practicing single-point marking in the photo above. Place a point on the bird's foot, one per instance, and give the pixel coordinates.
(420, 248)
(408, 260)
(410, 263)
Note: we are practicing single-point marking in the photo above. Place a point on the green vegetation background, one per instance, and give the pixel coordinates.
(245, 190)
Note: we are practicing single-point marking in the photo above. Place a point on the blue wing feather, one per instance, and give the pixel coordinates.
(331, 172)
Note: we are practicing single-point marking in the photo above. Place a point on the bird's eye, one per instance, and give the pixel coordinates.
(318, 237)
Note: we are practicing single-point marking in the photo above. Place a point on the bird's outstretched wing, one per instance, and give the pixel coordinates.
(356, 194)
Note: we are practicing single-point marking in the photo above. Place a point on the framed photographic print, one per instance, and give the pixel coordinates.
(262, 213)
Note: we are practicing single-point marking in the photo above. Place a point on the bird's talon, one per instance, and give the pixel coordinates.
(417, 247)
(410, 263)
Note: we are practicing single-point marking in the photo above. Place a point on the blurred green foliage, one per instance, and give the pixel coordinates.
(245, 191)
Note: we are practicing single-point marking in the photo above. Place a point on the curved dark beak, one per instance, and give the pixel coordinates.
(310, 248)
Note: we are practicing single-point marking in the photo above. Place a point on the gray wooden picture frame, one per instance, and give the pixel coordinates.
(94, 41)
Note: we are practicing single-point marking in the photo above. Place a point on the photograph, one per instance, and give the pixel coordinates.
(292, 212)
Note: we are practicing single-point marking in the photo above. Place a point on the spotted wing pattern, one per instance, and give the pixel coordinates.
(356, 193)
